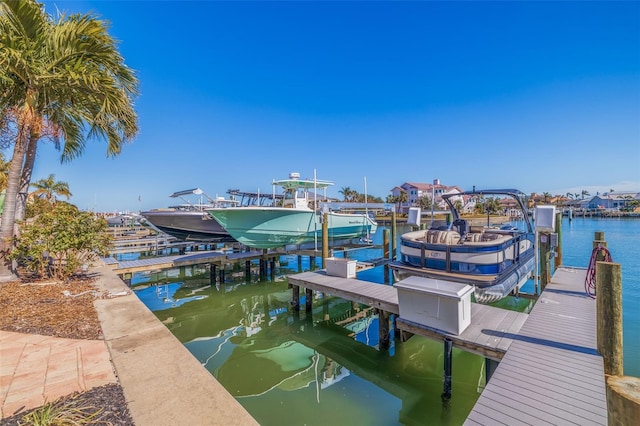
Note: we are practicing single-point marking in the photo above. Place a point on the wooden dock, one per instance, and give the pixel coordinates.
(549, 370)
(490, 333)
(552, 373)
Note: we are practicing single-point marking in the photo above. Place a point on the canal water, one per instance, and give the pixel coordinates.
(325, 368)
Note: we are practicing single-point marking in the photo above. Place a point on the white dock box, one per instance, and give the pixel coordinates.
(440, 304)
(337, 267)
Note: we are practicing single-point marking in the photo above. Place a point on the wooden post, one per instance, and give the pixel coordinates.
(222, 277)
(299, 263)
(312, 263)
(609, 316)
(623, 400)
(558, 261)
(393, 235)
(383, 329)
(599, 241)
(325, 239)
(448, 360)
(385, 253)
(295, 302)
(247, 270)
(308, 300)
(545, 249)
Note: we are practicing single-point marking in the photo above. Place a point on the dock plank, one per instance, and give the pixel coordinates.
(551, 373)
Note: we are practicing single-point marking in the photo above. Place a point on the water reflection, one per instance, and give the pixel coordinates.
(315, 368)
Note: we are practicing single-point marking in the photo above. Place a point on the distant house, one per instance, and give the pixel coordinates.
(415, 191)
(612, 200)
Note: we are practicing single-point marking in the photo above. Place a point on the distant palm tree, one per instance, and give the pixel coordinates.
(49, 189)
(403, 197)
(585, 193)
(62, 79)
(350, 195)
(546, 196)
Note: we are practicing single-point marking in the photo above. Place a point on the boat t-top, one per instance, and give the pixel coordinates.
(294, 219)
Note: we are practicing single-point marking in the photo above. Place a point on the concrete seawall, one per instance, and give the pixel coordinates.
(163, 383)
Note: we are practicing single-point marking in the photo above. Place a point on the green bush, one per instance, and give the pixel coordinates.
(60, 241)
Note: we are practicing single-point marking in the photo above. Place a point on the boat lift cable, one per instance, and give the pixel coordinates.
(590, 280)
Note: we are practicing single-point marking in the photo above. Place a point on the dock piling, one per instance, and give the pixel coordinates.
(609, 316)
(448, 360)
(383, 329)
(295, 302)
(308, 300)
(558, 259)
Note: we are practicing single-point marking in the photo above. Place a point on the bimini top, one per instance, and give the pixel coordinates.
(511, 192)
(515, 194)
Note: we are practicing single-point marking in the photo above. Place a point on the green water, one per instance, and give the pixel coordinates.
(311, 369)
(291, 368)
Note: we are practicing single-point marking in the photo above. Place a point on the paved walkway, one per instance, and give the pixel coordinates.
(37, 369)
(162, 382)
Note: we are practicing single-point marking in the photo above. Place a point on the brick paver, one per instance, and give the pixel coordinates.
(36, 369)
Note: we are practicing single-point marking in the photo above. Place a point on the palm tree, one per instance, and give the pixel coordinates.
(61, 79)
(48, 189)
(346, 192)
(584, 193)
(546, 196)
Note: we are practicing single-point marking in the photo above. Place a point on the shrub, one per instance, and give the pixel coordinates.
(60, 241)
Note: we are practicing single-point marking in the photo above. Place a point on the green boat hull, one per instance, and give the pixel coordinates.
(276, 226)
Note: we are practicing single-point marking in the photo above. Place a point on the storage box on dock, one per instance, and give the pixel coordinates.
(337, 267)
(440, 304)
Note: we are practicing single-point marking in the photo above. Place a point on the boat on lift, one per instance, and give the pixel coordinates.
(189, 221)
(495, 258)
(295, 220)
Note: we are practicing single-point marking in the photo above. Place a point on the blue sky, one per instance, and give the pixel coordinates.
(539, 96)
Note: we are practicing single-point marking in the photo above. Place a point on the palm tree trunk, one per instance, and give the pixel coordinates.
(8, 213)
(25, 179)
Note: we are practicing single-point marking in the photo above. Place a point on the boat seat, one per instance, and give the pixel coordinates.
(434, 236)
(474, 237)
